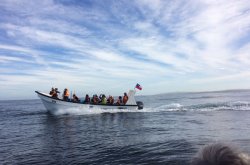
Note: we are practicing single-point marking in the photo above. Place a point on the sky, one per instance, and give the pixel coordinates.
(107, 46)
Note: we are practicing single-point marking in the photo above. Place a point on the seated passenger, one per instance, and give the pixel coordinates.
(100, 98)
(120, 98)
(104, 100)
(52, 91)
(66, 95)
(92, 99)
(55, 95)
(110, 100)
(75, 99)
(56, 90)
(125, 98)
(119, 101)
(95, 99)
(87, 99)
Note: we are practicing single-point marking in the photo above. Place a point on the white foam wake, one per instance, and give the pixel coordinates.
(239, 105)
(78, 111)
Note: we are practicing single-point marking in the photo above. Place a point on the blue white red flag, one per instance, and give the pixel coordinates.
(138, 86)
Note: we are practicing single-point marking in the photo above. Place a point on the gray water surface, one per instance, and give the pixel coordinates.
(170, 130)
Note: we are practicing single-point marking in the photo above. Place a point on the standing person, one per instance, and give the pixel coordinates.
(125, 98)
(66, 95)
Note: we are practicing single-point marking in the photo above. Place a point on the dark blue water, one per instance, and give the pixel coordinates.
(170, 130)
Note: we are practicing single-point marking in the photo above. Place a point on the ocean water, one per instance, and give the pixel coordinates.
(169, 130)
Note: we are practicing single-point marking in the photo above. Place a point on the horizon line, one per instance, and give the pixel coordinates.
(179, 92)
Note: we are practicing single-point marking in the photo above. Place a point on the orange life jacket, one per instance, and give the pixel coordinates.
(66, 93)
(125, 99)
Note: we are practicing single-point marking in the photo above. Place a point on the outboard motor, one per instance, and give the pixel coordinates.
(140, 104)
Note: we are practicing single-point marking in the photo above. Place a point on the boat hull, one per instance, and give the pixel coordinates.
(54, 105)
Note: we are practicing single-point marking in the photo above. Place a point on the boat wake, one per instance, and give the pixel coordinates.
(78, 111)
(222, 106)
(172, 107)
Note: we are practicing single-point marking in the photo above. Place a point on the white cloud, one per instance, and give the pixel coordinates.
(160, 42)
(243, 55)
(5, 59)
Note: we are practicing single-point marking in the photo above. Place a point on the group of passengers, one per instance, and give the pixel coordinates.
(102, 99)
(54, 92)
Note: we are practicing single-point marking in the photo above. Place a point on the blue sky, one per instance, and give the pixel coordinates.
(108, 46)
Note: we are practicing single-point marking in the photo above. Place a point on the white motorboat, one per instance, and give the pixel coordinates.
(55, 104)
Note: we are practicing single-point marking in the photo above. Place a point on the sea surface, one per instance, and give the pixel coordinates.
(169, 130)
